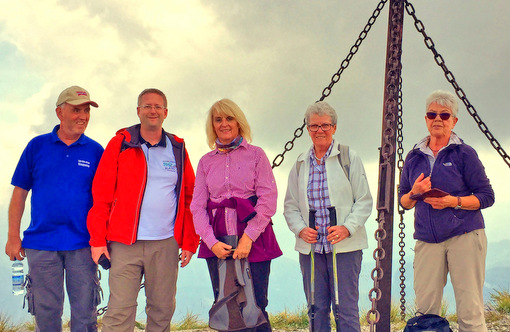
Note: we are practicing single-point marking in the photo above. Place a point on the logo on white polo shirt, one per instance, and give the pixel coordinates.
(84, 163)
(169, 165)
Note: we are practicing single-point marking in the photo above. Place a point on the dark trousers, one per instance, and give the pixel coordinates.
(45, 289)
(348, 270)
(260, 278)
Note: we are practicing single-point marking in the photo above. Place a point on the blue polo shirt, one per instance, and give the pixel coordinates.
(60, 178)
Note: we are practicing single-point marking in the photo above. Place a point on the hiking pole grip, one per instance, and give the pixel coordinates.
(332, 216)
(311, 218)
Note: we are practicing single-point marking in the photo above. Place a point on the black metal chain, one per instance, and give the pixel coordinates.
(102, 310)
(277, 161)
(354, 49)
(460, 93)
(401, 211)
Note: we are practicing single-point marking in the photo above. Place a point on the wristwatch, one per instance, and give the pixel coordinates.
(459, 204)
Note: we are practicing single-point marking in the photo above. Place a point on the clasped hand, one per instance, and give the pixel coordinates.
(335, 234)
(223, 250)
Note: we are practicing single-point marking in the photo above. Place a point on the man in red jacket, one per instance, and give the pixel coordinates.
(140, 218)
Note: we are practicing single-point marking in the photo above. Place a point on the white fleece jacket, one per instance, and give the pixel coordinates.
(352, 200)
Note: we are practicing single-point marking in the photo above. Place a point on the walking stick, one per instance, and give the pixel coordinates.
(311, 224)
(336, 306)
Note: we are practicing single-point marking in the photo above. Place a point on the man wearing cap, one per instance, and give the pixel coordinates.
(141, 217)
(58, 167)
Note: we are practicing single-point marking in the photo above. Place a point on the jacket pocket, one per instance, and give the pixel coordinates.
(112, 209)
(480, 239)
(450, 225)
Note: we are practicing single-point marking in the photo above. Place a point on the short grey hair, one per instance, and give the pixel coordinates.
(320, 108)
(443, 98)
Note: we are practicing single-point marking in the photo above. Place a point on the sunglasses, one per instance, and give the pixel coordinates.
(443, 116)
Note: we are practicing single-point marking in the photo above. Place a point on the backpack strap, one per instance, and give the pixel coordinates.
(299, 164)
(239, 273)
(343, 159)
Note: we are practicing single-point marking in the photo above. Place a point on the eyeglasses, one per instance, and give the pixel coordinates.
(443, 116)
(324, 127)
(150, 107)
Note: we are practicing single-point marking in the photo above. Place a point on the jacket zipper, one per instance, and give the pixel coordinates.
(433, 229)
(113, 208)
(140, 201)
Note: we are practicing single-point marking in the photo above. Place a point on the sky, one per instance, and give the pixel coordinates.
(273, 58)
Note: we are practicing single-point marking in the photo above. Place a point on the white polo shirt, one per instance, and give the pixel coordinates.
(159, 205)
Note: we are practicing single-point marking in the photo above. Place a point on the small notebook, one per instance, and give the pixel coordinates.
(434, 192)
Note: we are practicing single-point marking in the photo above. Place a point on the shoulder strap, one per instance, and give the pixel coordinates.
(298, 163)
(343, 159)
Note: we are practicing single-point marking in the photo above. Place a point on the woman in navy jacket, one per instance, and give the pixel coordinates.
(449, 227)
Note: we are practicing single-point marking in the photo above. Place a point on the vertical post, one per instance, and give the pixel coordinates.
(386, 191)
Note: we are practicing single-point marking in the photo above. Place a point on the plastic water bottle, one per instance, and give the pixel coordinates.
(18, 278)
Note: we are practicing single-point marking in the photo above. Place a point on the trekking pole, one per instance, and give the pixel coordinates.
(336, 307)
(311, 224)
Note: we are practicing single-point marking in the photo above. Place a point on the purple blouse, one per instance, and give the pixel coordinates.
(241, 173)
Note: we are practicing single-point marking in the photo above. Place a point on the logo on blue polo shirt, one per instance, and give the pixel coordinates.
(169, 165)
(84, 163)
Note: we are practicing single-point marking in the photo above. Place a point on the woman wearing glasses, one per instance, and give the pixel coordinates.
(449, 227)
(235, 197)
(320, 189)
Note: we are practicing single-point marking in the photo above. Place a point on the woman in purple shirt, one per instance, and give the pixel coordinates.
(235, 197)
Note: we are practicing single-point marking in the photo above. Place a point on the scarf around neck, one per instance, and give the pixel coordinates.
(230, 146)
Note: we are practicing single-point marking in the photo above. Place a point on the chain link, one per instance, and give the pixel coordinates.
(277, 161)
(401, 211)
(451, 79)
(354, 49)
(375, 294)
(102, 310)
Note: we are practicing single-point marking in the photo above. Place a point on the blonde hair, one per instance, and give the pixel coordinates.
(226, 107)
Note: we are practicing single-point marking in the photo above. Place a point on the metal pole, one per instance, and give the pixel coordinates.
(386, 192)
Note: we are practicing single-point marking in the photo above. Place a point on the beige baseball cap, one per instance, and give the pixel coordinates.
(75, 95)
